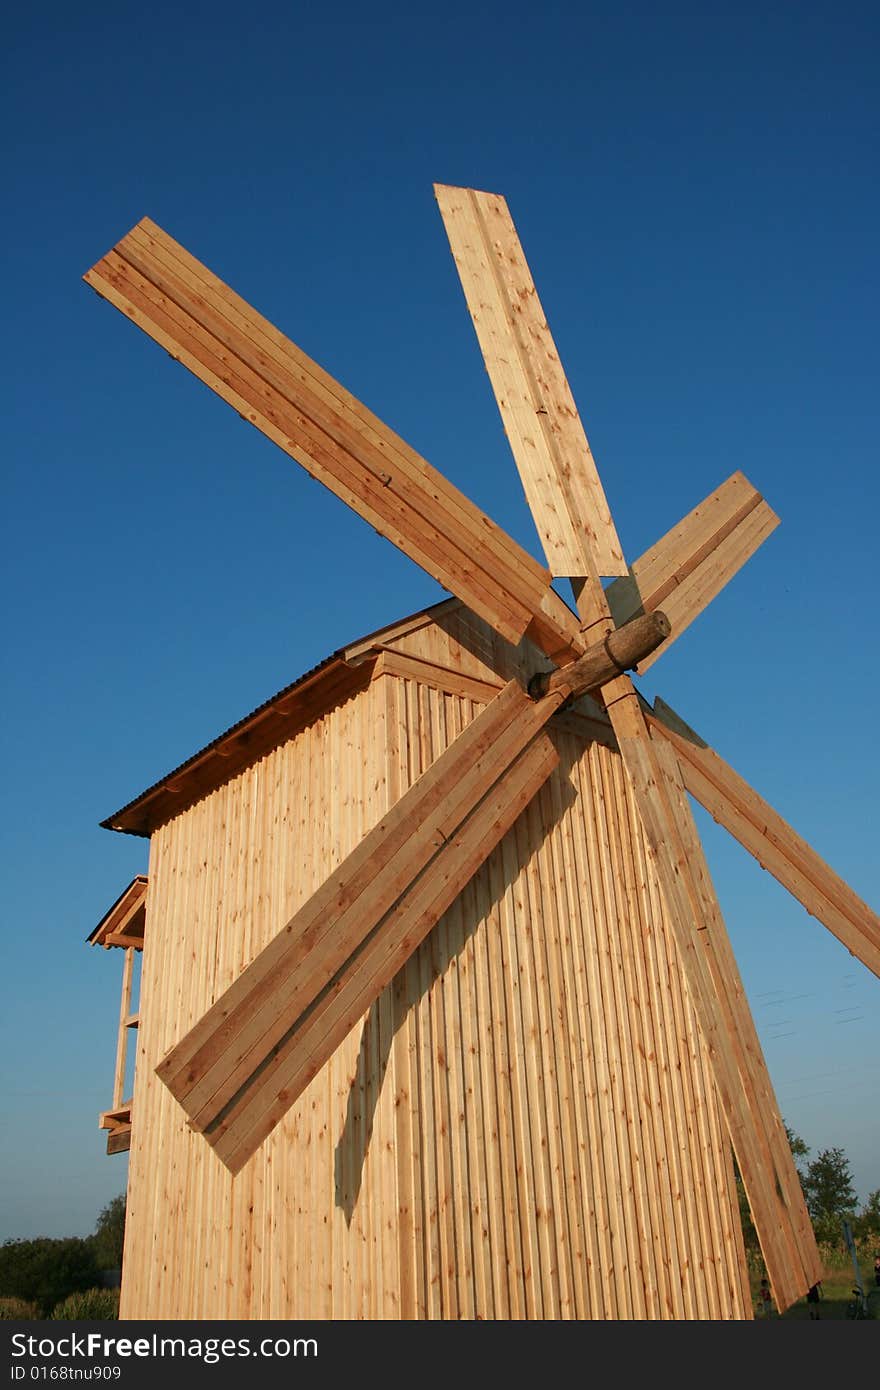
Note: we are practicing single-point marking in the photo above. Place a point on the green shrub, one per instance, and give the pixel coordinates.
(91, 1305)
(18, 1310)
(45, 1271)
(109, 1236)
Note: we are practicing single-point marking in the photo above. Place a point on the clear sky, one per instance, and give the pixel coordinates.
(696, 189)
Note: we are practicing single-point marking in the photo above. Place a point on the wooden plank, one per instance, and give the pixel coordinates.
(443, 678)
(272, 384)
(683, 548)
(513, 1051)
(662, 1053)
(122, 1035)
(539, 1069)
(755, 1078)
(691, 564)
(119, 1140)
(540, 418)
(654, 1208)
(777, 847)
(631, 1283)
(243, 1125)
(492, 1035)
(697, 590)
(664, 839)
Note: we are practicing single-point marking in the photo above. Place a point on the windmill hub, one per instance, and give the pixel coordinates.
(620, 651)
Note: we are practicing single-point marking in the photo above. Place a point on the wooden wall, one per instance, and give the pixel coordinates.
(524, 1124)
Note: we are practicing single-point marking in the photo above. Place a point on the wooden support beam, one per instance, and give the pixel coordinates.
(122, 1038)
(119, 1115)
(618, 652)
(454, 682)
(771, 840)
(133, 943)
(119, 1140)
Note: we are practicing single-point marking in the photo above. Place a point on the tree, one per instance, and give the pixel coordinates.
(44, 1271)
(867, 1224)
(829, 1192)
(109, 1234)
(798, 1149)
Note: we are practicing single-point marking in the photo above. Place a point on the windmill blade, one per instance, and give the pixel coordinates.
(686, 916)
(688, 566)
(249, 1057)
(656, 804)
(540, 418)
(364, 888)
(243, 1125)
(277, 388)
(684, 571)
(797, 1229)
(777, 847)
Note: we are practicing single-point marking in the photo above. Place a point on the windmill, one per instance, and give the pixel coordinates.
(253, 1053)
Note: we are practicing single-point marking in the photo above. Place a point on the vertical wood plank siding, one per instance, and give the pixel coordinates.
(524, 1126)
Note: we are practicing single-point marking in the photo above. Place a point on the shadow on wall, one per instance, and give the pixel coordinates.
(415, 980)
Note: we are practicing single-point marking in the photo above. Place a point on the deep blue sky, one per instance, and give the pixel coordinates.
(696, 189)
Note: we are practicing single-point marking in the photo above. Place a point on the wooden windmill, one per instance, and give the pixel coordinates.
(240, 1068)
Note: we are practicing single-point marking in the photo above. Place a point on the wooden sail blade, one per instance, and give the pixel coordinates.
(688, 566)
(797, 1228)
(661, 824)
(540, 418)
(277, 388)
(277, 995)
(411, 830)
(244, 1125)
(275, 1002)
(771, 840)
(657, 811)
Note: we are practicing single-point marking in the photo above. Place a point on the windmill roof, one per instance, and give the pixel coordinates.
(284, 714)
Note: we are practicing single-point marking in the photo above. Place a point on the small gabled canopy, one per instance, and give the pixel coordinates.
(123, 923)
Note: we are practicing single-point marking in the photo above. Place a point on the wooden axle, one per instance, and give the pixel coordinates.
(620, 651)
